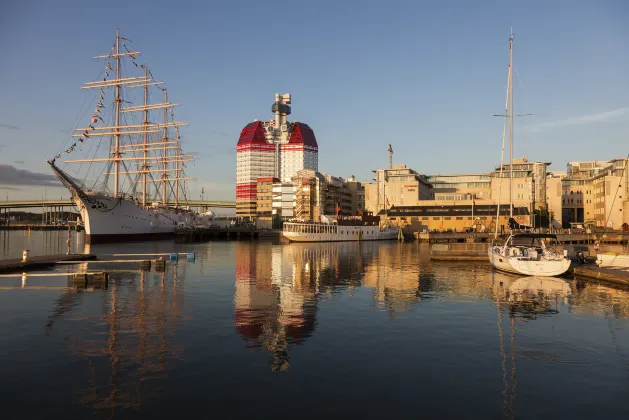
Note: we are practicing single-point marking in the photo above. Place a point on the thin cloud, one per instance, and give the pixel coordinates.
(9, 127)
(620, 114)
(10, 175)
(8, 188)
(19, 162)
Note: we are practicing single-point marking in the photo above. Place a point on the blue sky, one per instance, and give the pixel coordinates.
(425, 76)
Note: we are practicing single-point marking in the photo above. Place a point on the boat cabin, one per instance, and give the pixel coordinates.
(530, 244)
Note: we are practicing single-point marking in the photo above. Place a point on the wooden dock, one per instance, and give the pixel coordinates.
(16, 264)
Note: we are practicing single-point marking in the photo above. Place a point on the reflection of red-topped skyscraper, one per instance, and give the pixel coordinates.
(276, 148)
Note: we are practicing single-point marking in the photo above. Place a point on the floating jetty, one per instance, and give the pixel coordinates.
(619, 275)
(18, 264)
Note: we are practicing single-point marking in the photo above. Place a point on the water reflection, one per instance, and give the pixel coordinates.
(126, 339)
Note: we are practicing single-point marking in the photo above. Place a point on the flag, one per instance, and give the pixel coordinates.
(388, 202)
(91, 127)
(272, 123)
(473, 199)
(338, 209)
(109, 68)
(95, 120)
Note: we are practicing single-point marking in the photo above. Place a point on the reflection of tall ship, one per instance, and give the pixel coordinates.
(142, 154)
(128, 345)
(345, 228)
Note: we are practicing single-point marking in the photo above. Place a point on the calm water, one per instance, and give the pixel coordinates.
(260, 330)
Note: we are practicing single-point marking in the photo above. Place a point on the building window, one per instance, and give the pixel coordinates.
(459, 218)
(425, 218)
(447, 218)
(435, 218)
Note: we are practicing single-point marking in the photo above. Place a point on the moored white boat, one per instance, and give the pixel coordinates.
(612, 259)
(366, 228)
(530, 254)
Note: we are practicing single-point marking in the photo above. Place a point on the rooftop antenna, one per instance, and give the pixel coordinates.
(390, 157)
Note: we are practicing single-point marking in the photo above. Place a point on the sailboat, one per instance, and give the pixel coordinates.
(526, 253)
(149, 204)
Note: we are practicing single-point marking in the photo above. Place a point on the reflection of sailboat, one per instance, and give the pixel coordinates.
(541, 285)
(535, 295)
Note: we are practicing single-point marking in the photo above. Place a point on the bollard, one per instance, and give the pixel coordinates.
(160, 265)
(25, 255)
(79, 280)
(101, 279)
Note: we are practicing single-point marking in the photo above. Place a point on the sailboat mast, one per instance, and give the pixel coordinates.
(117, 111)
(164, 150)
(511, 116)
(145, 122)
(177, 172)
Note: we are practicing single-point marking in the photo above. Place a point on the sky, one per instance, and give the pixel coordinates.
(424, 76)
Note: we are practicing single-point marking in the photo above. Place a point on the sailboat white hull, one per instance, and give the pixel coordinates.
(612, 259)
(527, 267)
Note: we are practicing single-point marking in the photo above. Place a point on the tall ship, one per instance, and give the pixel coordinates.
(131, 183)
(341, 228)
(526, 253)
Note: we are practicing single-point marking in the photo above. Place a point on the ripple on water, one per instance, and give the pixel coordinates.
(560, 353)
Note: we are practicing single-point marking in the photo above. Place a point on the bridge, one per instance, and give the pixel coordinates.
(68, 203)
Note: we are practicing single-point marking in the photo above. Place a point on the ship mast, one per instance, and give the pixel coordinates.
(144, 151)
(177, 166)
(116, 153)
(164, 151)
(145, 122)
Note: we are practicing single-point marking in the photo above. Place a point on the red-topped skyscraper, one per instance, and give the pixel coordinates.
(276, 148)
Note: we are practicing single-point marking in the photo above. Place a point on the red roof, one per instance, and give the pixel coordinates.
(302, 133)
(252, 133)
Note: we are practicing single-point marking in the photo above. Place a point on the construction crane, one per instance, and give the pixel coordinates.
(390, 157)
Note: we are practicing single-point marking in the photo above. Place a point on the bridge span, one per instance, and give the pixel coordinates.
(13, 205)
